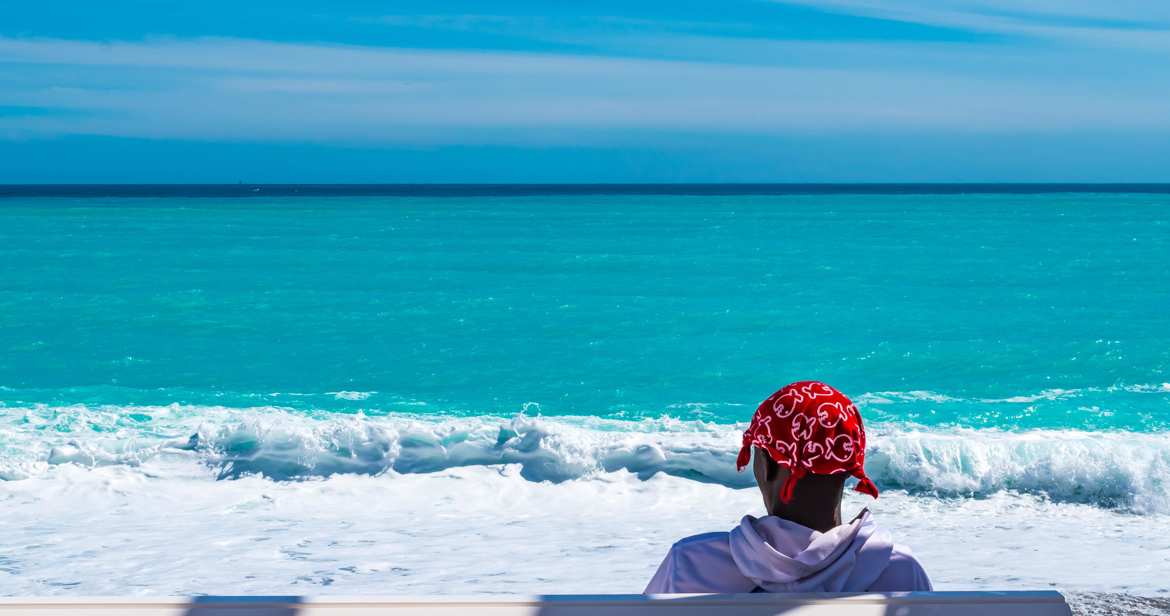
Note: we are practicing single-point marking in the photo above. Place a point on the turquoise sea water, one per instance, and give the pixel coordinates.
(245, 328)
(695, 307)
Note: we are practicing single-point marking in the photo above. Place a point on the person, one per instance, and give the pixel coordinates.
(807, 439)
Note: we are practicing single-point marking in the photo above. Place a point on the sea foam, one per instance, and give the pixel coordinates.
(1120, 470)
(113, 530)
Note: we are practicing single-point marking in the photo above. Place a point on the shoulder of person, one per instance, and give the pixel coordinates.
(699, 563)
(700, 540)
(904, 572)
(902, 557)
(708, 552)
(703, 548)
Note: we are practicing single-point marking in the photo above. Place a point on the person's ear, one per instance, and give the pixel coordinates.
(771, 469)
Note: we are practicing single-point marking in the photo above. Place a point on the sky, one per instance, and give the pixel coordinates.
(599, 91)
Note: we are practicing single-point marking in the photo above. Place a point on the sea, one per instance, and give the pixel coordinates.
(471, 390)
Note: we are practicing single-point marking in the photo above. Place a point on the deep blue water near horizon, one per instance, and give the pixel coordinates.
(988, 310)
(241, 189)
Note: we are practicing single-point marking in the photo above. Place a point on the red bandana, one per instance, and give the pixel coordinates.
(809, 427)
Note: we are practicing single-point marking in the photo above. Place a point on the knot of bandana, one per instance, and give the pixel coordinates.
(809, 427)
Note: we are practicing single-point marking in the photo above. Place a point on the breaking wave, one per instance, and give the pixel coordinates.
(1121, 470)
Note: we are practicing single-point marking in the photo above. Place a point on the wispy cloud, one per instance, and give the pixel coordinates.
(1126, 23)
(214, 88)
(561, 27)
(319, 87)
(465, 21)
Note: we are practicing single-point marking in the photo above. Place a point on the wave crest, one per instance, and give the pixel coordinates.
(1124, 470)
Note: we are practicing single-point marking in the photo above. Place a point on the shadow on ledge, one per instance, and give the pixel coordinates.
(244, 606)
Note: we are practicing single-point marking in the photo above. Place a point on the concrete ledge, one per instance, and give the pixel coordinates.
(1038, 603)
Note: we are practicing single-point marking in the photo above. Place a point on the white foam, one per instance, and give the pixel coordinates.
(125, 500)
(1047, 394)
(1148, 388)
(1121, 470)
(114, 530)
(887, 397)
(1111, 469)
(352, 395)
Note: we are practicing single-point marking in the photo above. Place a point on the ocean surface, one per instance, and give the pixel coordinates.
(305, 390)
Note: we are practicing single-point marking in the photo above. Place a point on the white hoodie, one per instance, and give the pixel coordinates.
(772, 554)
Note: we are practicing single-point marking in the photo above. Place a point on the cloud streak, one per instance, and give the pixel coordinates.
(1126, 24)
(241, 89)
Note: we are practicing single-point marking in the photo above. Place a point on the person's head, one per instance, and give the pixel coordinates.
(808, 439)
(815, 501)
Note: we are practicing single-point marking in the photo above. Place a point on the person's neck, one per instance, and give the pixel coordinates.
(817, 518)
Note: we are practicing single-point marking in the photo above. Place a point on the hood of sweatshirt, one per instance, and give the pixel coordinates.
(783, 556)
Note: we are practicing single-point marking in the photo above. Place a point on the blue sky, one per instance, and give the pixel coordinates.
(796, 91)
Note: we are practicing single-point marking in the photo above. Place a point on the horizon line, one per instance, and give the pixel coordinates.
(472, 189)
